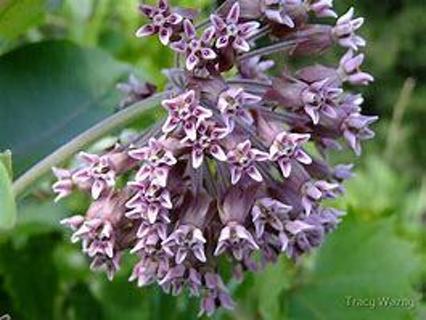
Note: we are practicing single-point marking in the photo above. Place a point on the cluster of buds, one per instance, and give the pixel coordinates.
(239, 168)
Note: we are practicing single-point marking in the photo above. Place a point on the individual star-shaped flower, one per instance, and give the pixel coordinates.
(233, 104)
(345, 28)
(349, 69)
(162, 23)
(184, 240)
(321, 98)
(236, 239)
(323, 8)
(209, 135)
(150, 201)
(315, 191)
(196, 50)
(355, 129)
(288, 147)
(269, 212)
(242, 159)
(157, 161)
(63, 187)
(232, 33)
(185, 111)
(98, 173)
(278, 11)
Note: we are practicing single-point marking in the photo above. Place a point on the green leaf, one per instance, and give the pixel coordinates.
(269, 286)
(360, 265)
(51, 91)
(17, 16)
(7, 200)
(30, 277)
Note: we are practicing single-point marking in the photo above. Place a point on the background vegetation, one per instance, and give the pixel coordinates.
(60, 61)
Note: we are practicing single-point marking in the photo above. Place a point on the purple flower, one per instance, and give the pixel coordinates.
(268, 212)
(278, 11)
(178, 277)
(345, 28)
(185, 111)
(242, 160)
(313, 192)
(233, 104)
(149, 202)
(226, 178)
(323, 8)
(184, 240)
(150, 236)
(63, 187)
(321, 98)
(163, 21)
(157, 161)
(236, 239)
(209, 135)
(355, 129)
(109, 265)
(196, 50)
(150, 269)
(217, 295)
(232, 33)
(349, 69)
(97, 173)
(286, 148)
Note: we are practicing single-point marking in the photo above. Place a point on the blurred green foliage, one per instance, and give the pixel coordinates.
(57, 55)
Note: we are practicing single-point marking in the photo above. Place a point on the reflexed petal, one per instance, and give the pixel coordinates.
(163, 4)
(222, 42)
(169, 125)
(247, 29)
(285, 167)
(254, 174)
(240, 44)
(234, 13)
(190, 130)
(236, 173)
(208, 54)
(217, 152)
(165, 34)
(302, 157)
(313, 114)
(145, 31)
(197, 158)
(189, 29)
(97, 188)
(179, 46)
(192, 61)
(174, 18)
(217, 22)
(147, 10)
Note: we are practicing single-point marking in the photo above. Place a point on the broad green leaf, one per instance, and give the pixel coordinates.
(30, 277)
(51, 91)
(17, 16)
(81, 304)
(361, 266)
(7, 200)
(269, 286)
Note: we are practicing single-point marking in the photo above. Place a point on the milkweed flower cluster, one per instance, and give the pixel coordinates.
(238, 170)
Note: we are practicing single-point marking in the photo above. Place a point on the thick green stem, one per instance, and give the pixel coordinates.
(96, 132)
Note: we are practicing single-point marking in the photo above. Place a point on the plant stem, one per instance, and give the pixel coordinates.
(94, 133)
(277, 47)
(394, 133)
